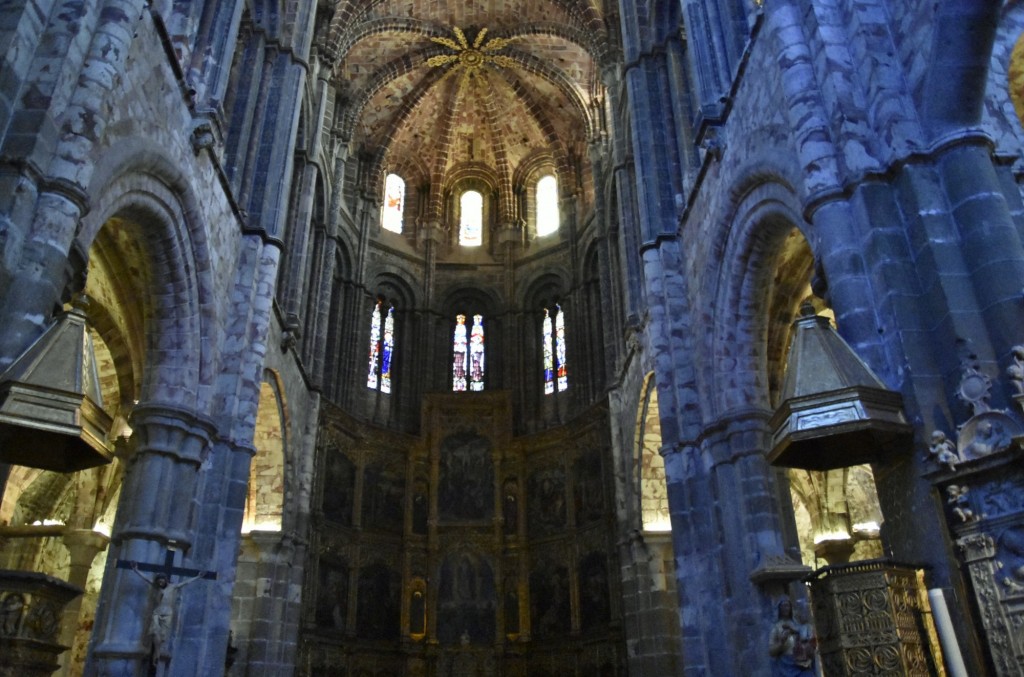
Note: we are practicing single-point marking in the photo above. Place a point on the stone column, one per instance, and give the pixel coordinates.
(153, 514)
(83, 546)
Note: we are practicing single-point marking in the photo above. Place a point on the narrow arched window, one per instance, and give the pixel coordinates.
(471, 219)
(468, 355)
(394, 203)
(556, 370)
(460, 355)
(547, 206)
(371, 379)
(561, 368)
(388, 346)
(548, 348)
(382, 346)
(476, 354)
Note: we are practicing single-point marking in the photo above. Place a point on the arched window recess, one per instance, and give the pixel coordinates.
(393, 208)
(382, 346)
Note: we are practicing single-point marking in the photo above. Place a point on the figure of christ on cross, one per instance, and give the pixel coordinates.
(162, 619)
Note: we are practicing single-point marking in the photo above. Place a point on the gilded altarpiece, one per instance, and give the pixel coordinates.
(464, 550)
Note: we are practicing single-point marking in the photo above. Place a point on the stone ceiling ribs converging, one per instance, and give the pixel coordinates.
(433, 86)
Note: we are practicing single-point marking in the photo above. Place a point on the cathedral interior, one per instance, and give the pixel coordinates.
(440, 338)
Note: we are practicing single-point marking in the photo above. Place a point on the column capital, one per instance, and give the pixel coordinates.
(171, 431)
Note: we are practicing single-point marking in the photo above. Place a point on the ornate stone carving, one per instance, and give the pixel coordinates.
(943, 451)
(1016, 371)
(990, 541)
(956, 497)
(987, 431)
(31, 605)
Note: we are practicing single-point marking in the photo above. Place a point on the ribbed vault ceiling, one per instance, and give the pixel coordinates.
(430, 87)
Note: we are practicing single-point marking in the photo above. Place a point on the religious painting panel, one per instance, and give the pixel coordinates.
(588, 488)
(510, 507)
(549, 601)
(466, 479)
(546, 513)
(467, 600)
(378, 606)
(383, 499)
(420, 508)
(332, 594)
(511, 608)
(595, 608)
(339, 487)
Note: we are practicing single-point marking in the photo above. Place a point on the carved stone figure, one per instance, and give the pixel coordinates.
(1016, 370)
(791, 644)
(10, 614)
(943, 451)
(956, 496)
(986, 436)
(162, 620)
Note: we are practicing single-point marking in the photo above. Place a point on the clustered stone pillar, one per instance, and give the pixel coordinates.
(153, 516)
(83, 545)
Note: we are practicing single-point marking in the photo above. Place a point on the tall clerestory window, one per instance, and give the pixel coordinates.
(553, 346)
(471, 219)
(394, 203)
(547, 206)
(382, 347)
(468, 355)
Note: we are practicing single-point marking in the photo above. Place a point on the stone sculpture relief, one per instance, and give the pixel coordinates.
(984, 516)
(987, 431)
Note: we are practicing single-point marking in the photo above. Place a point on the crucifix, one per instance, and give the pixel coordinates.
(162, 618)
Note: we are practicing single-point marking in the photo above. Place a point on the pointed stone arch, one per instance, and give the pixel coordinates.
(266, 498)
(648, 465)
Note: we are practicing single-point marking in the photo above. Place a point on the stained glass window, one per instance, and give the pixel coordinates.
(460, 355)
(388, 348)
(562, 369)
(471, 224)
(394, 203)
(547, 345)
(371, 379)
(547, 206)
(476, 354)
(553, 348)
(381, 350)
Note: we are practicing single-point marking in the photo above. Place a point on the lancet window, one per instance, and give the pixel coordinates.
(471, 219)
(468, 355)
(382, 347)
(556, 372)
(394, 203)
(547, 206)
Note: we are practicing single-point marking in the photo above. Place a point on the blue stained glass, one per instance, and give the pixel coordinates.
(389, 344)
(549, 356)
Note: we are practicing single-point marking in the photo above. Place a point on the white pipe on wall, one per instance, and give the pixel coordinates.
(947, 638)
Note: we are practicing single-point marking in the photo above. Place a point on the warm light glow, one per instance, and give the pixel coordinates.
(394, 203)
(102, 528)
(547, 206)
(48, 523)
(472, 219)
(261, 526)
(662, 525)
(868, 529)
(832, 536)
